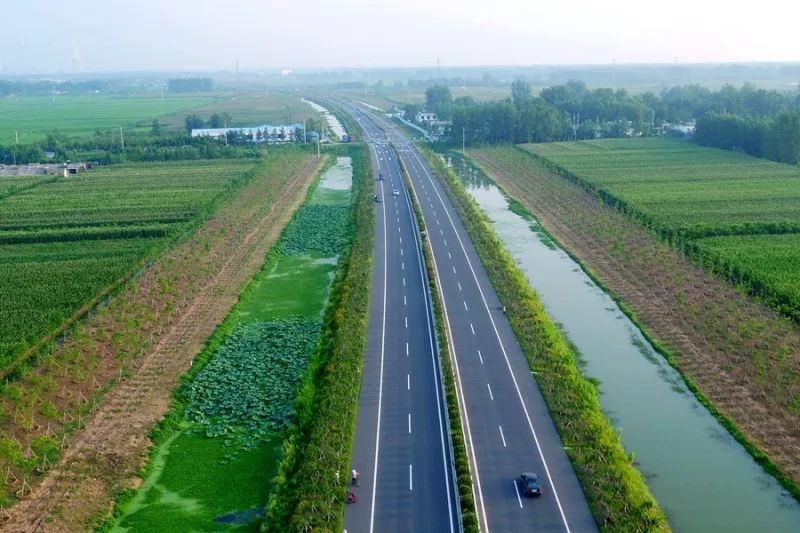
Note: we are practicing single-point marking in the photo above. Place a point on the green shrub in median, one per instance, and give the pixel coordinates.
(617, 493)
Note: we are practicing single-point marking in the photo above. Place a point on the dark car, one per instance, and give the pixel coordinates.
(529, 482)
(378, 198)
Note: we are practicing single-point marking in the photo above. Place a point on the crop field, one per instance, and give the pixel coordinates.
(35, 116)
(64, 241)
(678, 187)
(251, 108)
(216, 472)
(769, 263)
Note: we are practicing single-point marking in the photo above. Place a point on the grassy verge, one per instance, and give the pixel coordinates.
(309, 490)
(469, 515)
(617, 493)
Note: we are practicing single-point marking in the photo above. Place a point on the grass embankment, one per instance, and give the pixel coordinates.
(466, 494)
(222, 442)
(617, 493)
(734, 353)
(309, 490)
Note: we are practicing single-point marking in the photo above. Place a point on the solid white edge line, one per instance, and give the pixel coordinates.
(380, 382)
(466, 431)
(428, 320)
(500, 341)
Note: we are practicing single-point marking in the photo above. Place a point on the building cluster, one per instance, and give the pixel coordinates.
(257, 134)
(37, 169)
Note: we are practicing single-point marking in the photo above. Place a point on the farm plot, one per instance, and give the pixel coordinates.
(680, 188)
(769, 264)
(64, 241)
(215, 472)
(34, 116)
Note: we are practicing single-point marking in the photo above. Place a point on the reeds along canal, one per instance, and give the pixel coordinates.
(213, 469)
(702, 477)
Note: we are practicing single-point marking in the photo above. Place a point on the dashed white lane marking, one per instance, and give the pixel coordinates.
(503, 437)
(404, 282)
(406, 348)
(405, 302)
(408, 382)
(459, 286)
(437, 222)
(406, 322)
(409, 423)
(441, 231)
(402, 265)
(491, 396)
(465, 306)
(398, 230)
(472, 328)
(445, 242)
(449, 255)
(410, 477)
(454, 270)
(480, 356)
(401, 251)
(401, 240)
(516, 489)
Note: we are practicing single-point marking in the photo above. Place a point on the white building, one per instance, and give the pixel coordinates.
(264, 133)
(425, 116)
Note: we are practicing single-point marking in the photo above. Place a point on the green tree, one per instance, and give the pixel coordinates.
(439, 100)
(193, 122)
(520, 93)
(155, 130)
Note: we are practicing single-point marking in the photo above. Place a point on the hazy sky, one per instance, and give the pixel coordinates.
(42, 35)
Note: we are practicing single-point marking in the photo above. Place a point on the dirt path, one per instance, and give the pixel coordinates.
(743, 356)
(104, 456)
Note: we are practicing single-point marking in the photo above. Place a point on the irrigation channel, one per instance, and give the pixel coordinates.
(701, 476)
(212, 470)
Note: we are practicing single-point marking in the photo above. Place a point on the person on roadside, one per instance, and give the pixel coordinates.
(354, 477)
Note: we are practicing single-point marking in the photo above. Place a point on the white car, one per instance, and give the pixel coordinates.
(395, 192)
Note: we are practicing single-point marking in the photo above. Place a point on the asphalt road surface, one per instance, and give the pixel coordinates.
(402, 448)
(507, 427)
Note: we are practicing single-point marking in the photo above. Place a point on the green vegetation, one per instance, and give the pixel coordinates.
(35, 116)
(768, 264)
(246, 392)
(317, 451)
(63, 242)
(228, 423)
(249, 109)
(617, 494)
(680, 189)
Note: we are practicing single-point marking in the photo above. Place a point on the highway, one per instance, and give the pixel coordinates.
(506, 423)
(402, 447)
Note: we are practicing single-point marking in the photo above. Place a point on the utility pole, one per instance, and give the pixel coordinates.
(121, 139)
